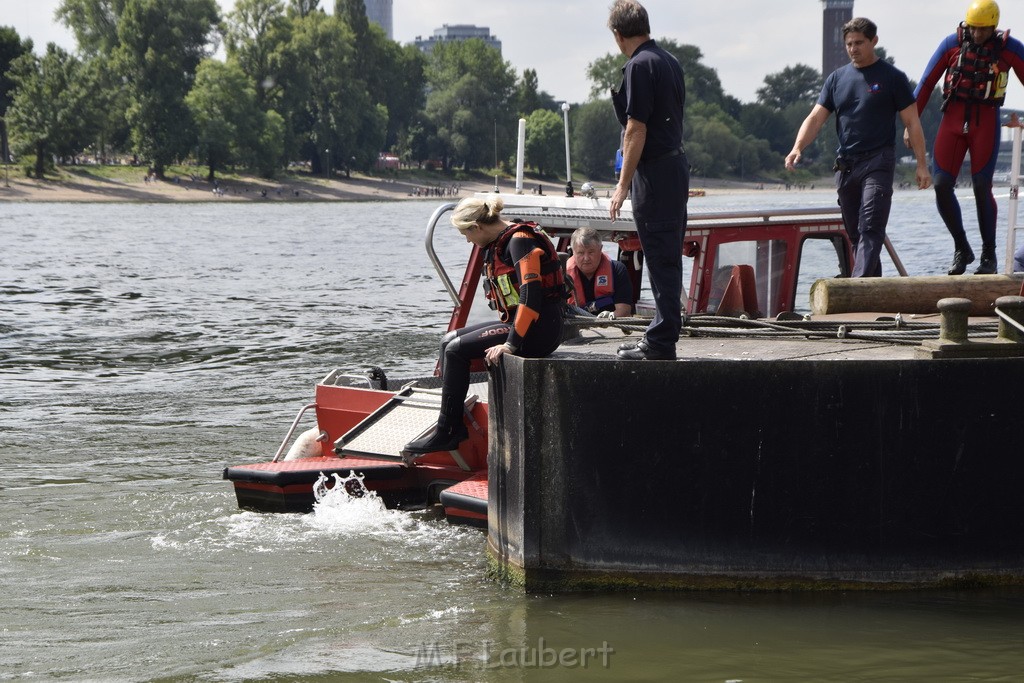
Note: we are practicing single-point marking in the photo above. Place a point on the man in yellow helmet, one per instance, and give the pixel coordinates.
(977, 60)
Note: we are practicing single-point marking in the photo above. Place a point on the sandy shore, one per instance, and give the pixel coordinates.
(86, 188)
(78, 188)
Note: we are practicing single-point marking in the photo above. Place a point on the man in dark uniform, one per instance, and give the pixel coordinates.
(649, 105)
(866, 95)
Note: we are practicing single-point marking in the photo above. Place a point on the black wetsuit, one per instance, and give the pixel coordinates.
(534, 327)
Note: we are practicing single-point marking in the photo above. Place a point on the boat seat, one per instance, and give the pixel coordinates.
(740, 293)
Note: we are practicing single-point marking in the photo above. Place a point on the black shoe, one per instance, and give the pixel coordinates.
(638, 344)
(961, 257)
(988, 265)
(440, 440)
(645, 352)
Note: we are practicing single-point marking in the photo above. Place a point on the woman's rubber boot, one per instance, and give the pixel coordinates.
(961, 257)
(988, 264)
(443, 439)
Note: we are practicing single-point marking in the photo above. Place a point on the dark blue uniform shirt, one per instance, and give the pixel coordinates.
(653, 93)
(866, 102)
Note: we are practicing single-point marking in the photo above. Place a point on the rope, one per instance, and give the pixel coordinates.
(1009, 320)
(895, 331)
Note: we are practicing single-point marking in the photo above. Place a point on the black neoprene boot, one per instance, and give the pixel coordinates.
(961, 257)
(442, 439)
(988, 265)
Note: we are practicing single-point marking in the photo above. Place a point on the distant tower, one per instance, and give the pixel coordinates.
(833, 48)
(380, 13)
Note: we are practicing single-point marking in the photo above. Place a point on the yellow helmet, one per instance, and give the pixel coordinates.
(983, 13)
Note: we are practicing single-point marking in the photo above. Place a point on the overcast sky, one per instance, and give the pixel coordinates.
(742, 39)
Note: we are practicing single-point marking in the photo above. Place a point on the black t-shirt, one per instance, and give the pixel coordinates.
(655, 94)
(866, 102)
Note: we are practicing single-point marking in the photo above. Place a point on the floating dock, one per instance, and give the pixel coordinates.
(757, 462)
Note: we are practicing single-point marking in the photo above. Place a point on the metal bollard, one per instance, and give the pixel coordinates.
(1011, 307)
(953, 326)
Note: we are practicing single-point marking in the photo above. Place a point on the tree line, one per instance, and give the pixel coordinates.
(330, 90)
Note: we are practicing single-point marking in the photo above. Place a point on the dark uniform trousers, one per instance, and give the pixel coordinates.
(865, 198)
(660, 191)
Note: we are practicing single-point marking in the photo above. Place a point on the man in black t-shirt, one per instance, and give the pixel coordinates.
(866, 95)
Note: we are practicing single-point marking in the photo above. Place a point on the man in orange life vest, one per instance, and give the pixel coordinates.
(977, 60)
(599, 284)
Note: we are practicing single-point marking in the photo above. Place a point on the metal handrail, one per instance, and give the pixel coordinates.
(432, 254)
(291, 430)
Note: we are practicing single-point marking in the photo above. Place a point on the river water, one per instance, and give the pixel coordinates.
(145, 347)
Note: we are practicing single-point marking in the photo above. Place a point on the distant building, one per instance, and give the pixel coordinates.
(457, 32)
(833, 47)
(380, 13)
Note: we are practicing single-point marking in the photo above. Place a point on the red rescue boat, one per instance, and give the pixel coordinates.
(743, 264)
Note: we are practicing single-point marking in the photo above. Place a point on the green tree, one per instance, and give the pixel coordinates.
(340, 127)
(46, 114)
(93, 22)
(353, 13)
(402, 87)
(255, 32)
(605, 74)
(11, 48)
(702, 82)
(420, 142)
(223, 105)
(271, 144)
(719, 143)
(545, 146)
(471, 93)
(303, 8)
(391, 75)
(108, 104)
(595, 136)
(798, 84)
(766, 123)
(161, 43)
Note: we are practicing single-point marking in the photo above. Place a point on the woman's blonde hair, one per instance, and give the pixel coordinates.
(474, 210)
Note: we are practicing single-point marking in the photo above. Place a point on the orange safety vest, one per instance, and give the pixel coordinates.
(604, 284)
(502, 287)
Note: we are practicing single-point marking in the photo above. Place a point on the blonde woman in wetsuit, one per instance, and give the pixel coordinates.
(526, 284)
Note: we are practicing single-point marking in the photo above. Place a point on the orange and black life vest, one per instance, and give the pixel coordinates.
(503, 279)
(975, 78)
(604, 284)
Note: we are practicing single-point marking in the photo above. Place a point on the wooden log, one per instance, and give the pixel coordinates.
(910, 294)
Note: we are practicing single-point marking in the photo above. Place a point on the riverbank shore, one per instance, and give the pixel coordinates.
(75, 186)
(80, 187)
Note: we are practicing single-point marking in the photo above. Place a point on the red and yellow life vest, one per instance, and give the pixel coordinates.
(604, 284)
(975, 77)
(503, 277)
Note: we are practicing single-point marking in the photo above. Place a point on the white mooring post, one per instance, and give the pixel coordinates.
(1011, 229)
(520, 155)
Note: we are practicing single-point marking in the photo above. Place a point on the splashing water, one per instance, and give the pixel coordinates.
(346, 506)
(344, 489)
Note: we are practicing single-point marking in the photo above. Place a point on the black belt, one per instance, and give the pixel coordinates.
(845, 162)
(678, 151)
(854, 158)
